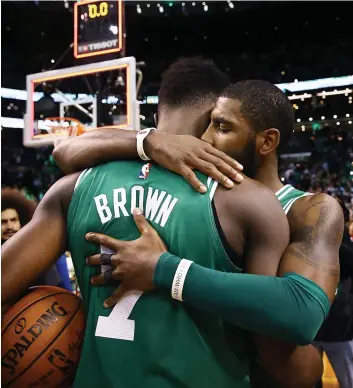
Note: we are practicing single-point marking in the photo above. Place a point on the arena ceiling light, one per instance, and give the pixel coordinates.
(298, 86)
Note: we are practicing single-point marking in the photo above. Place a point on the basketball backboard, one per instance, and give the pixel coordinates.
(96, 95)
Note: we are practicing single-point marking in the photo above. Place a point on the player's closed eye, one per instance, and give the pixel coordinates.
(221, 128)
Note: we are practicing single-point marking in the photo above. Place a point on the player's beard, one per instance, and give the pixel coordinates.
(248, 158)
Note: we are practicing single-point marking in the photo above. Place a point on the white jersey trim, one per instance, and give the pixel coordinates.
(81, 176)
(287, 207)
(284, 193)
(213, 190)
(280, 190)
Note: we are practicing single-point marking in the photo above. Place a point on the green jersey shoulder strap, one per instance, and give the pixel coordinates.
(287, 195)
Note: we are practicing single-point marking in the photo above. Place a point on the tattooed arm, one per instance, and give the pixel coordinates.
(316, 227)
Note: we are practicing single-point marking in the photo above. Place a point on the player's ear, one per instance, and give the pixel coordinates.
(267, 141)
(155, 116)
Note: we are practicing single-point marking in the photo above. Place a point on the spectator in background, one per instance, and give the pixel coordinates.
(16, 212)
(61, 266)
(10, 223)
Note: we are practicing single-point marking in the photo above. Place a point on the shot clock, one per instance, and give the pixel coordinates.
(98, 10)
(97, 28)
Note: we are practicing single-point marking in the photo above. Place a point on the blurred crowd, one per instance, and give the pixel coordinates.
(328, 169)
(32, 171)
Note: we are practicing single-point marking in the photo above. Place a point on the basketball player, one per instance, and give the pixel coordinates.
(248, 110)
(315, 221)
(174, 344)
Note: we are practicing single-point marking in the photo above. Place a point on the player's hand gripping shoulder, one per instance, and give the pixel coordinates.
(178, 153)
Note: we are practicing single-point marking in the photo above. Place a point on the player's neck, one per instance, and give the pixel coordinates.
(267, 174)
(182, 121)
(174, 127)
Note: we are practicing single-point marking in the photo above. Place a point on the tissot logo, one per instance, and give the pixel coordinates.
(97, 46)
(22, 344)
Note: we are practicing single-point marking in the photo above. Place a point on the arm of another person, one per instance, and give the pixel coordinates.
(261, 304)
(316, 225)
(291, 308)
(180, 154)
(36, 247)
(95, 147)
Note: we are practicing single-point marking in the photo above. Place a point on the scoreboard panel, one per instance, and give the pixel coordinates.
(97, 27)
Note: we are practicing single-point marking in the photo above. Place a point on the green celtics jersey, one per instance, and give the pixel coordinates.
(149, 340)
(287, 195)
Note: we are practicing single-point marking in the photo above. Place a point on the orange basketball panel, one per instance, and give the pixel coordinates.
(42, 336)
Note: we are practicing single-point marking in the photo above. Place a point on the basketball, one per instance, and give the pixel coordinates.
(41, 338)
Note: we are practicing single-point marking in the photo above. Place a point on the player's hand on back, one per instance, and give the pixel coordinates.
(183, 153)
(133, 263)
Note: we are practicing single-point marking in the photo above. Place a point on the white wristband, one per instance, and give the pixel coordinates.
(140, 137)
(179, 279)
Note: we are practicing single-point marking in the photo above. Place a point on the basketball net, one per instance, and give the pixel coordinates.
(62, 128)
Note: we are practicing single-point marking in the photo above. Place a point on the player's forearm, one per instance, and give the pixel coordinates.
(288, 365)
(95, 147)
(24, 259)
(291, 308)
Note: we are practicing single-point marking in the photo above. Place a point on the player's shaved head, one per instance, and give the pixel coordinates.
(264, 105)
(249, 121)
(193, 84)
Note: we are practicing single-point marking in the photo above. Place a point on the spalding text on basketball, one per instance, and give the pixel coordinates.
(51, 315)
